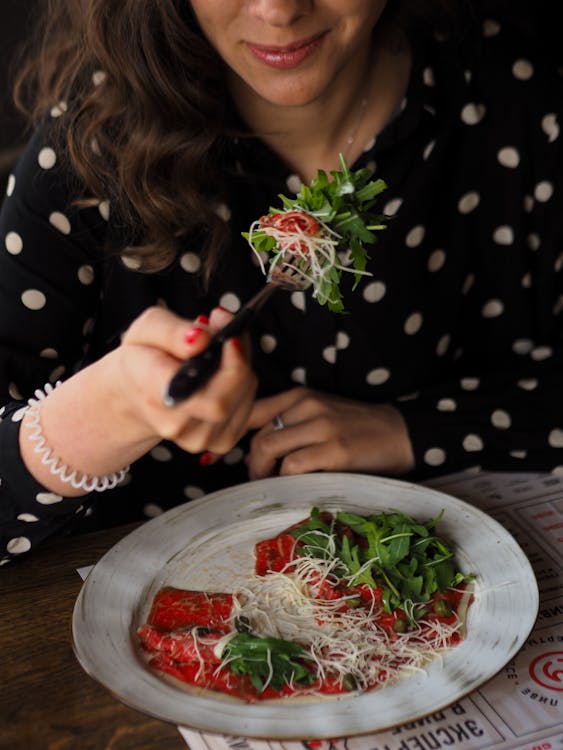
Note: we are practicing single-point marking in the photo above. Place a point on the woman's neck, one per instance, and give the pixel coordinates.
(357, 107)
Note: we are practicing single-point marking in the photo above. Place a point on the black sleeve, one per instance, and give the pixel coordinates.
(50, 268)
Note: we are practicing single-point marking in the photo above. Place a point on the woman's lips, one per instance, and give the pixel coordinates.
(289, 56)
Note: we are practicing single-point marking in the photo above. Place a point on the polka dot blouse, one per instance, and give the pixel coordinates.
(459, 325)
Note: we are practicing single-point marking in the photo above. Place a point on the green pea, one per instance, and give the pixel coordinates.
(400, 625)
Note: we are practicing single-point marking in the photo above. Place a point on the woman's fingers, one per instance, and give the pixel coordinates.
(157, 327)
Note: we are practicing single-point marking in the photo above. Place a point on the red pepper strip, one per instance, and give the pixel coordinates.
(207, 676)
(180, 645)
(274, 554)
(176, 608)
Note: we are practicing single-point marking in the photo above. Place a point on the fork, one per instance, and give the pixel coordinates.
(195, 371)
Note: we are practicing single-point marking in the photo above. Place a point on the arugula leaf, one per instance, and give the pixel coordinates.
(345, 202)
(267, 661)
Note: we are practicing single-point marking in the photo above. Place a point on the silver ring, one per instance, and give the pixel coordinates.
(277, 421)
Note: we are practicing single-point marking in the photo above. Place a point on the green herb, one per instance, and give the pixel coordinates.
(397, 553)
(267, 661)
(345, 204)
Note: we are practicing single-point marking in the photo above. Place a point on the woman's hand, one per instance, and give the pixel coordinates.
(214, 418)
(112, 412)
(324, 432)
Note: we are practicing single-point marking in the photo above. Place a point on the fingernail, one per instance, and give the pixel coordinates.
(224, 309)
(201, 320)
(236, 343)
(207, 458)
(192, 335)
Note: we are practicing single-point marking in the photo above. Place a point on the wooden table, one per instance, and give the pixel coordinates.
(47, 702)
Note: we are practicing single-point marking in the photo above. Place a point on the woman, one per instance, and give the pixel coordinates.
(169, 129)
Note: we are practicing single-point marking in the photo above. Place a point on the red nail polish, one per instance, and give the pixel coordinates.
(192, 335)
(202, 320)
(206, 458)
(236, 343)
(224, 309)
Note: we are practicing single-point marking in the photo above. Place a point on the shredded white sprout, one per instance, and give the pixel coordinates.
(312, 265)
(342, 642)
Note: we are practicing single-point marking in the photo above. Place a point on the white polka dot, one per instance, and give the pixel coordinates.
(86, 275)
(555, 438)
(533, 241)
(60, 222)
(446, 404)
(11, 185)
(503, 235)
(523, 70)
(559, 262)
(104, 209)
(230, 302)
(472, 113)
(161, 453)
(329, 354)
(15, 392)
(528, 203)
(443, 344)
(393, 206)
(57, 373)
(522, 346)
(413, 323)
(299, 375)
(490, 27)
(18, 415)
(415, 236)
(190, 262)
(95, 146)
(49, 353)
(468, 202)
(492, 309)
(526, 281)
(48, 498)
(435, 456)
(223, 212)
(342, 340)
(558, 471)
(98, 77)
(131, 262)
(436, 260)
(501, 419)
(268, 343)
(193, 492)
(18, 545)
(428, 76)
(151, 510)
(27, 518)
(518, 454)
(88, 326)
(298, 300)
(472, 443)
(509, 157)
(33, 299)
(378, 376)
(469, 384)
(293, 183)
(59, 109)
(550, 127)
(234, 456)
(541, 352)
(14, 243)
(374, 291)
(468, 75)
(409, 396)
(428, 150)
(47, 158)
(543, 191)
(468, 283)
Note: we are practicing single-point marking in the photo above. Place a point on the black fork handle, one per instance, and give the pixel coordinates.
(194, 372)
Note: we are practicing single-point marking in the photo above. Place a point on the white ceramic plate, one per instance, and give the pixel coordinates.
(207, 545)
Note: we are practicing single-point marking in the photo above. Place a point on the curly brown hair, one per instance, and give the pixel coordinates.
(147, 110)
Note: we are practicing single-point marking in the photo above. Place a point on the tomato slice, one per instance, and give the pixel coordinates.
(174, 608)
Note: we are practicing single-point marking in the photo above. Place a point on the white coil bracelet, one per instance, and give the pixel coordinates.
(76, 479)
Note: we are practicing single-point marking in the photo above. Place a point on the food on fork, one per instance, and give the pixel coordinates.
(322, 232)
(339, 604)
